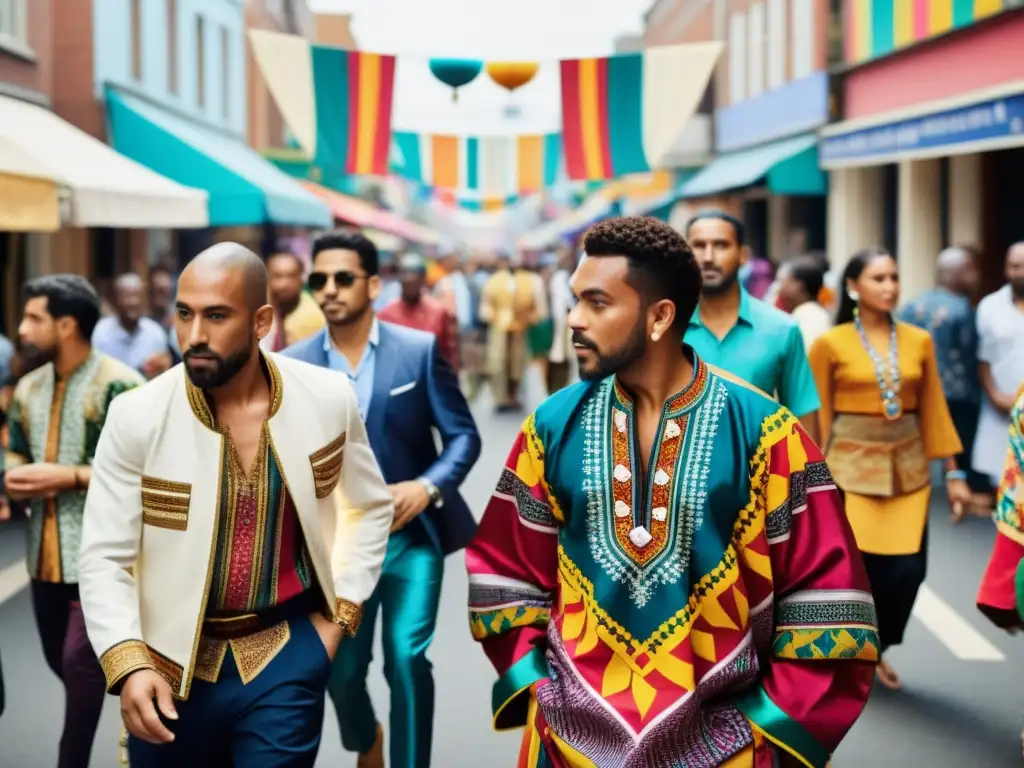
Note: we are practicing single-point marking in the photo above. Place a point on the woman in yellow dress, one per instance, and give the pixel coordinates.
(883, 419)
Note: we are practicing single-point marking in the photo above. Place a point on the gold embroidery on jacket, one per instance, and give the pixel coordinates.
(326, 463)
(165, 503)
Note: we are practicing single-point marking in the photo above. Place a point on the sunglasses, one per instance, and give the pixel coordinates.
(317, 281)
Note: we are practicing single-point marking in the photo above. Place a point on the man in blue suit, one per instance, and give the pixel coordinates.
(404, 388)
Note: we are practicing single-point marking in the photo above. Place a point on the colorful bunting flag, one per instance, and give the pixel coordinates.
(354, 92)
(493, 167)
(602, 113)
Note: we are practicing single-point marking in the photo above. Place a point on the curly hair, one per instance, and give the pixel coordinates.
(661, 263)
(347, 240)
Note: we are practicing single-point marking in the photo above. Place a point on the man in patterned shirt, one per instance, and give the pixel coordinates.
(54, 423)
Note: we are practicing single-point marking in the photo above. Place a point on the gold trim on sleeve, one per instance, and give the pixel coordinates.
(124, 658)
(347, 615)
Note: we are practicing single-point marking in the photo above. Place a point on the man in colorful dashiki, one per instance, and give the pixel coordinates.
(664, 575)
(405, 390)
(1001, 597)
(235, 524)
(1002, 590)
(947, 313)
(415, 308)
(749, 338)
(55, 419)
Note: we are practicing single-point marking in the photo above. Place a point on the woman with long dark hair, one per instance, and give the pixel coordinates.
(883, 419)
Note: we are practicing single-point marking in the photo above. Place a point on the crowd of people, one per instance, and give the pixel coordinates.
(697, 554)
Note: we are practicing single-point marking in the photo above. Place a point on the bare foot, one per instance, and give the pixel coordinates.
(887, 675)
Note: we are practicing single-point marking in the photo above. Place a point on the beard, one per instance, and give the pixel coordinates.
(352, 316)
(724, 286)
(32, 356)
(224, 368)
(601, 365)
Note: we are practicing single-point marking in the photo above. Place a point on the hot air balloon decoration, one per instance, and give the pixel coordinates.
(511, 75)
(456, 72)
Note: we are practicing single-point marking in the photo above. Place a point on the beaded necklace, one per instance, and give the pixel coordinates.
(888, 385)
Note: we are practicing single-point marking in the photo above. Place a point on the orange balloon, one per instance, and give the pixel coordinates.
(512, 74)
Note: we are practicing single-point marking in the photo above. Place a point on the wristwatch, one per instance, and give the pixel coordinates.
(433, 491)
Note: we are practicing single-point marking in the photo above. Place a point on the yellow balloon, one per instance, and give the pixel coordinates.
(512, 74)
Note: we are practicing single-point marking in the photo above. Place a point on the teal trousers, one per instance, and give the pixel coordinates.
(407, 597)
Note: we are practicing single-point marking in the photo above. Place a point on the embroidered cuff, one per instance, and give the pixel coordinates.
(122, 659)
(510, 697)
(347, 615)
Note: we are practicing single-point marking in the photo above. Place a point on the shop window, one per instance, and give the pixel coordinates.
(777, 44)
(225, 73)
(737, 58)
(14, 24)
(803, 39)
(172, 46)
(200, 61)
(135, 32)
(755, 44)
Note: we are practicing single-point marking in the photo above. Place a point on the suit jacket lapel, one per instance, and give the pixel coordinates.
(383, 376)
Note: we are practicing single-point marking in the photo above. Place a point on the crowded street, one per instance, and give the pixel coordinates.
(554, 384)
(960, 706)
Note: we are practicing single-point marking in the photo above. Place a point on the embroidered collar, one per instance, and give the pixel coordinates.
(201, 406)
(683, 400)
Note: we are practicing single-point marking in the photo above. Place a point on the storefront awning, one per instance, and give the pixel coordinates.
(597, 206)
(104, 188)
(244, 188)
(364, 215)
(787, 167)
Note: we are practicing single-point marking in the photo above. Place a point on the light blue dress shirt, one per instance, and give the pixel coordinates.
(131, 348)
(362, 376)
(764, 348)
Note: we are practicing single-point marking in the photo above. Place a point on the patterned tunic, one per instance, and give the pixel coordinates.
(260, 556)
(59, 421)
(1001, 597)
(692, 615)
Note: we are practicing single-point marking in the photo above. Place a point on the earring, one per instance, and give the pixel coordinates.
(655, 336)
(854, 296)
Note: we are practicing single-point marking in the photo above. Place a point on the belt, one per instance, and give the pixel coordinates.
(244, 624)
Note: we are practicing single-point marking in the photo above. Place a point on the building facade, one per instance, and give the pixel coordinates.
(26, 56)
(266, 128)
(771, 95)
(930, 148)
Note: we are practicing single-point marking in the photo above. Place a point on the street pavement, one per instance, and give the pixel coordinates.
(961, 706)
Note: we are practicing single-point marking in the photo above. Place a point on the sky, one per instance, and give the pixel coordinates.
(542, 30)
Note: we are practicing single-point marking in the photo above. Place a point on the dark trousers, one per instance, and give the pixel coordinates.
(895, 581)
(68, 653)
(273, 721)
(408, 596)
(965, 419)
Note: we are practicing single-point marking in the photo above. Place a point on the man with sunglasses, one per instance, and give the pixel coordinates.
(405, 389)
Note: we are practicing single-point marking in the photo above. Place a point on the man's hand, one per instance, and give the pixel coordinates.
(5, 510)
(138, 710)
(38, 481)
(330, 634)
(959, 498)
(411, 498)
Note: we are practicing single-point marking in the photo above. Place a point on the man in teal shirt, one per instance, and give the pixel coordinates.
(746, 337)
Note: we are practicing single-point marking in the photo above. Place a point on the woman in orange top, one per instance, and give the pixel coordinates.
(883, 419)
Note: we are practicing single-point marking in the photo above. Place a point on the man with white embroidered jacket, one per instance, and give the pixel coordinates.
(235, 523)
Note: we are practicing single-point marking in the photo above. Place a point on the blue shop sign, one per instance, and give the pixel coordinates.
(984, 122)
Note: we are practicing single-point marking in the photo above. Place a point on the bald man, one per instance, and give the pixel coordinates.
(215, 591)
(137, 341)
